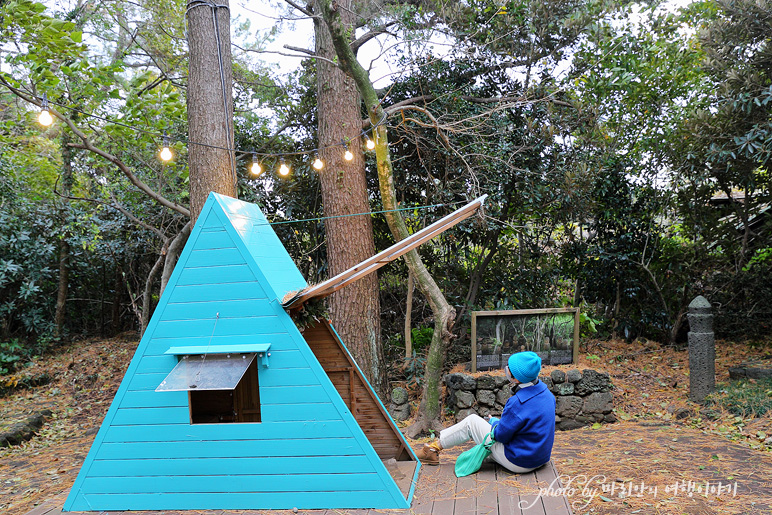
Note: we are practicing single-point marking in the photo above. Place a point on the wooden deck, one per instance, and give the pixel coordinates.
(492, 491)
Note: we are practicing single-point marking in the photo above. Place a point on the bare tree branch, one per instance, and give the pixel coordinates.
(117, 205)
(377, 31)
(303, 50)
(308, 12)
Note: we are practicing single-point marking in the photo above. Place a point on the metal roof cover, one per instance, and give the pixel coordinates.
(207, 372)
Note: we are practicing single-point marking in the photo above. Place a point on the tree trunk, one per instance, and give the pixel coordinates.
(210, 104)
(355, 309)
(118, 284)
(444, 314)
(64, 245)
(147, 300)
(617, 303)
(172, 254)
(409, 316)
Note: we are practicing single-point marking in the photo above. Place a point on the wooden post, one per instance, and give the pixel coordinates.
(474, 341)
(575, 349)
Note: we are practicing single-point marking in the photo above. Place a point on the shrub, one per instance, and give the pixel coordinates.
(744, 398)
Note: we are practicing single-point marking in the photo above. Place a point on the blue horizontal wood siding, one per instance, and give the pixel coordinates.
(244, 326)
(217, 432)
(226, 449)
(225, 484)
(217, 292)
(152, 416)
(146, 382)
(149, 398)
(221, 466)
(232, 501)
(307, 451)
(215, 275)
(193, 310)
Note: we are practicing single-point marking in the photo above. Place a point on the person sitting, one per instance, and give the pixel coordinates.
(526, 431)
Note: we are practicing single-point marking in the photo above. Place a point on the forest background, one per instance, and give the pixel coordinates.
(623, 146)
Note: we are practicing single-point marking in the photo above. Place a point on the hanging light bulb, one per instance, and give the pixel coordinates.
(318, 163)
(348, 156)
(370, 144)
(44, 118)
(166, 153)
(284, 169)
(255, 169)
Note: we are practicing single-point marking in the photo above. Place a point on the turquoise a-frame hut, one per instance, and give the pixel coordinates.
(227, 405)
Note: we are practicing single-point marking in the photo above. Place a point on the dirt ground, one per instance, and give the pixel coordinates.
(665, 455)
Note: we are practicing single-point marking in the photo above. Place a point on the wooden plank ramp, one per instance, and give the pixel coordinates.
(491, 491)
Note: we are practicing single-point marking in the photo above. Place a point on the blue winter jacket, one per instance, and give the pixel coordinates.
(527, 426)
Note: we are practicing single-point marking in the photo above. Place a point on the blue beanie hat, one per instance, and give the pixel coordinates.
(525, 366)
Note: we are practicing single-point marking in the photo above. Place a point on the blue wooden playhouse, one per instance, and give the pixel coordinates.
(227, 405)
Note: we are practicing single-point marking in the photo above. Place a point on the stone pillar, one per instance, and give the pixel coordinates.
(702, 350)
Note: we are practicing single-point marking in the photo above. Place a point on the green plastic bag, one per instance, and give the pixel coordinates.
(470, 461)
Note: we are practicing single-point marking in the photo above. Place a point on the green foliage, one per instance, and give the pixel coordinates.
(310, 313)
(744, 398)
(11, 353)
(421, 338)
(588, 326)
(26, 276)
(413, 369)
(760, 257)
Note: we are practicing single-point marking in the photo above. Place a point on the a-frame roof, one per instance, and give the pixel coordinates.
(263, 245)
(308, 451)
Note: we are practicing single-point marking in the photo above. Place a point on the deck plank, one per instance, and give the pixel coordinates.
(423, 497)
(508, 493)
(549, 478)
(45, 508)
(487, 490)
(531, 503)
(466, 495)
(444, 490)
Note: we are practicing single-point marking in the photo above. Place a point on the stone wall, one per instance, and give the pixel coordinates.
(582, 397)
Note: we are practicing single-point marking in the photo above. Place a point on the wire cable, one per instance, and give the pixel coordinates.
(368, 213)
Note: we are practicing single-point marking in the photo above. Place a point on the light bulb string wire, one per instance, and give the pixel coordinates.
(262, 155)
(367, 213)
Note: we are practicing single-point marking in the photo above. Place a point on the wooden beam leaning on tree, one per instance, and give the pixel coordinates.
(372, 264)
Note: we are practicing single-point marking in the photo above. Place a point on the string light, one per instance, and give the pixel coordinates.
(348, 156)
(284, 169)
(255, 169)
(166, 153)
(44, 118)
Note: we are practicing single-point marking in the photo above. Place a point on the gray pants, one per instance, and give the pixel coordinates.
(474, 428)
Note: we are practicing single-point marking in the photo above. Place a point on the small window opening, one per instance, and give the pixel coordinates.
(222, 388)
(222, 406)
